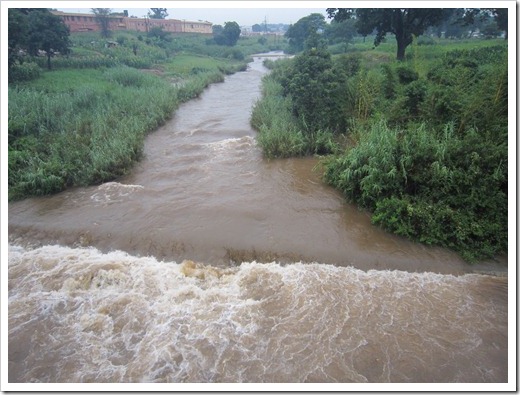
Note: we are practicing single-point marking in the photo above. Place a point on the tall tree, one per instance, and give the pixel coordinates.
(157, 13)
(17, 34)
(217, 29)
(257, 28)
(337, 32)
(228, 35)
(48, 33)
(404, 23)
(453, 25)
(103, 19)
(479, 17)
(500, 15)
(301, 30)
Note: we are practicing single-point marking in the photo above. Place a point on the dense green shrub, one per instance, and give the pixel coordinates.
(414, 92)
(389, 83)
(234, 53)
(318, 88)
(469, 89)
(24, 71)
(406, 74)
(280, 133)
(349, 64)
(448, 190)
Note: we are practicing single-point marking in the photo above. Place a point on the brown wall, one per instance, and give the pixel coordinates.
(87, 22)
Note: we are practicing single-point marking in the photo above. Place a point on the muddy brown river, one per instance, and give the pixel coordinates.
(209, 263)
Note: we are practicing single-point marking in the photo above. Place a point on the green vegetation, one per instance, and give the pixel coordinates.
(403, 23)
(102, 18)
(35, 30)
(85, 121)
(421, 143)
(301, 30)
(63, 134)
(227, 35)
(444, 188)
(280, 132)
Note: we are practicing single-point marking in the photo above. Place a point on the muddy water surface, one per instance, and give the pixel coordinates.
(86, 311)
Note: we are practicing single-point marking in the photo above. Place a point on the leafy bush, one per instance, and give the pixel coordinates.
(406, 74)
(349, 64)
(415, 92)
(279, 133)
(425, 40)
(316, 87)
(445, 190)
(389, 83)
(234, 53)
(24, 71)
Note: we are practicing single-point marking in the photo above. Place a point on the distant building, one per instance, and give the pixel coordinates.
(87, 22)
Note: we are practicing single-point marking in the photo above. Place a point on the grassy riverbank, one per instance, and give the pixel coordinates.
(85, 121)
(422, 143)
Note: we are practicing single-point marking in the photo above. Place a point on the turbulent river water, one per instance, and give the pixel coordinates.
(209, 263)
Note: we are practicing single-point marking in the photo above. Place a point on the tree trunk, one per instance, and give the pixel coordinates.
(399, 34)
(401, 47)
(49, 61)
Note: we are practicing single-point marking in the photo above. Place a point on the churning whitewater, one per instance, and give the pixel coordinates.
(200, 266)
(78, 315)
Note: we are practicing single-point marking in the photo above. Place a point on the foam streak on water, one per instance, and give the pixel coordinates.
(79, 315)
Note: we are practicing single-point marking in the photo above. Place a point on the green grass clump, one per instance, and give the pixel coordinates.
(444, 188)
(80, 134)
(82, 127)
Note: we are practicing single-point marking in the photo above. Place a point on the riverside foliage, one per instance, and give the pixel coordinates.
(427, 139)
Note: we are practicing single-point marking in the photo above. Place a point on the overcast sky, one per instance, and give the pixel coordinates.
(217, 16)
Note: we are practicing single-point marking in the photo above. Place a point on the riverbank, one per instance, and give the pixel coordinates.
(83, 127)
(424, 150)
(84, 122)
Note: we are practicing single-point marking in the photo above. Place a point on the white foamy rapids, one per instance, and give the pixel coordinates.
(113, 192)
(232, 144)
(79, 315)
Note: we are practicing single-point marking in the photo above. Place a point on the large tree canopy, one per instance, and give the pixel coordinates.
(404, 23)
(157, 13)
(227, 35)
(47, 32)
(301, 30)
(472, 15)
(18, 30)
(35, 30)
(103, 19)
